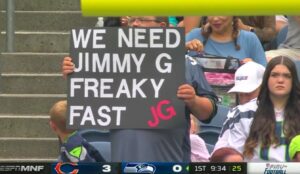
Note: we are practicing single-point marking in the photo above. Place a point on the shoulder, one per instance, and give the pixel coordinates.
(247, 34)
(195, 31)
(249, 106)
(74, 141)
(196, 139)
(193, 34)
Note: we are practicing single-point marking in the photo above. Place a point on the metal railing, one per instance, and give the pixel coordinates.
(10, 25)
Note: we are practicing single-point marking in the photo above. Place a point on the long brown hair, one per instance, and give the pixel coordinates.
(263, 126)
(206, 32)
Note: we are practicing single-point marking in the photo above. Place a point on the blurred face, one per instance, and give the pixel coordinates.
(144, 21)
(233, 158)
(280, 81)
(297, 18)
(124, 20)
(220, 24)
(246, 97)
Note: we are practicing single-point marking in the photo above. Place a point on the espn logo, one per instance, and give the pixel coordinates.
(11, 168)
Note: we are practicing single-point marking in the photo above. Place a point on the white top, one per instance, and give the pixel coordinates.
(240, 131)
(241, 114)
(199, 152)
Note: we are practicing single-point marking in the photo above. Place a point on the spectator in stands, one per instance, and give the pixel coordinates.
(294, 149)
(141, 145)
(226, 154)
(191, 22)
(199, 152)
(280, 22)
(291, 45)
(175, 21)
(276, 120)
(112, 21)
(262, 26)
(223, 38)
(124, 21)
(248, 79)
(74, 147)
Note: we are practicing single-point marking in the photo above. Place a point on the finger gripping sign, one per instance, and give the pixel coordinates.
(126, 78)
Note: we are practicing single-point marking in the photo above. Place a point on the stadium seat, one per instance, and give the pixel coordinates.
(209, 132)
(218, 120)
(104, 148)
(297, 63)
(210, 136)
(92, 135)
(210, 147)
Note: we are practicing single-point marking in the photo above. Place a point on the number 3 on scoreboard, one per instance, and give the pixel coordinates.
(106, 168)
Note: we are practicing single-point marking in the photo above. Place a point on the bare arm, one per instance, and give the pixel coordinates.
(201, 107)
(191, 22)
(266, 32)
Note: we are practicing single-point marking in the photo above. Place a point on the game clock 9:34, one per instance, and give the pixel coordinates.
(218, 168)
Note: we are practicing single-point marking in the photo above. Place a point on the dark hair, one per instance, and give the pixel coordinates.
(206, 32)
(221, 154)
(162, 19)
(263, 126)
(112, 22)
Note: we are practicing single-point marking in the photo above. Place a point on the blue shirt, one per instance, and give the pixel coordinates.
(250, 46)
(77, 149)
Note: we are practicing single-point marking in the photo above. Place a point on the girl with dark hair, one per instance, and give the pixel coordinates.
(222, 37)
(277, 118)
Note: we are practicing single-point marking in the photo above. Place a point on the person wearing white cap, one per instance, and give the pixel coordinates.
(247, 81)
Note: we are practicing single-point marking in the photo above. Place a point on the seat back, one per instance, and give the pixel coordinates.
(100, 140)
(297, 63)
(210, 147)
(209, 135)
(104, 149)
(218, 120)
(95, 135)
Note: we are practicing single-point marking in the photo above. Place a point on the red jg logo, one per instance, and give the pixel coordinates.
(157, 113)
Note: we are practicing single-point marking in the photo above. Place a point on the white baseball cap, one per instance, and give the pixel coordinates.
(248, 77)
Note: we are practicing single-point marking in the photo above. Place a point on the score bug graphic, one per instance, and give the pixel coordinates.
(177, 168)
(156, 168)
(139, 168)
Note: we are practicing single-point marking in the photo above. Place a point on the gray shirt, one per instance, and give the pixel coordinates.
(141, 145)
(293, 35)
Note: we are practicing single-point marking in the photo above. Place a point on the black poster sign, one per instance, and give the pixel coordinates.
(126, 78)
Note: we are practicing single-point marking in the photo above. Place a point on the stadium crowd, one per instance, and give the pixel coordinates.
(264, 124)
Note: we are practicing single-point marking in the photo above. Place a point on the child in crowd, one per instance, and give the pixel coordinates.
(199, 152)
(74, 147)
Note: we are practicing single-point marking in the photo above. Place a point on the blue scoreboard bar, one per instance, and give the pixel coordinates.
(150, 168)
